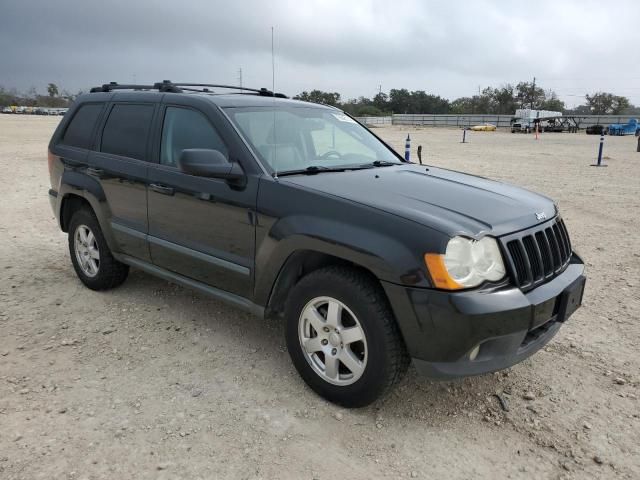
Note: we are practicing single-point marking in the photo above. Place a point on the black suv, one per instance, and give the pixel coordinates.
(293, 209)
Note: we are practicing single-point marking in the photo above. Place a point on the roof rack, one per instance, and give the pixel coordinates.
(169, 86)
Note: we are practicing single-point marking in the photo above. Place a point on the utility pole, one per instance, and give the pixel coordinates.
(240, 77)
(533, 93)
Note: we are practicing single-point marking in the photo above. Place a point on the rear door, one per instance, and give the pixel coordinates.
(120, 163)
(202, 228)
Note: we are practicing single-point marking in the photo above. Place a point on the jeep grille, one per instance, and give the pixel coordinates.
(537, 255)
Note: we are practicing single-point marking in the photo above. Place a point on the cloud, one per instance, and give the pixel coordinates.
(352, 47)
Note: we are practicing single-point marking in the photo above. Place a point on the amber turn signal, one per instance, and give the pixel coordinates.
(438, 272)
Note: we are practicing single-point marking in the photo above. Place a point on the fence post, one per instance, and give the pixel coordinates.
(407, 148)
(599, 164)
(420, 153)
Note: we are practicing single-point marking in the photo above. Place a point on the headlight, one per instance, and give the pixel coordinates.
(467, 263)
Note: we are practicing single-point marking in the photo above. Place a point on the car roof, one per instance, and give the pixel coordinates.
(223, 100)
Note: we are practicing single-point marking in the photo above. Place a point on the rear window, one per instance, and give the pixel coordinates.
(80, 129)
(126, 130)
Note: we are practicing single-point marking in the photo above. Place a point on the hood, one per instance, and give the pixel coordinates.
(448, 201)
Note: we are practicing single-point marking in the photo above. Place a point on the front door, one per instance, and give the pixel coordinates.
(199, 227)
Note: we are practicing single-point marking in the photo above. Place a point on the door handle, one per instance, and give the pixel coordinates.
(161, 189)
(95, 172)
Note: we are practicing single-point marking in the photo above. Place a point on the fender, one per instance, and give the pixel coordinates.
(378, 251)
(82, 185)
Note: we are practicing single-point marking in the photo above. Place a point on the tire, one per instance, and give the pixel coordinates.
(381, 356)
(103, 272)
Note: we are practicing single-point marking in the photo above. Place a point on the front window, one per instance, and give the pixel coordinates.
(296, 138)
(184, 128)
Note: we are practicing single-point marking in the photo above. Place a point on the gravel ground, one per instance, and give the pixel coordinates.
(155, 381)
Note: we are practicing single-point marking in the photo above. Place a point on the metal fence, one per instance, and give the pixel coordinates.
(451, 120)
(503, 121)
(375, 120)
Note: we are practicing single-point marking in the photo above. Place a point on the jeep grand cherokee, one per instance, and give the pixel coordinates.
(287, 208)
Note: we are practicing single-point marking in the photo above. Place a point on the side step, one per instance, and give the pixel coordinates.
(230, 298)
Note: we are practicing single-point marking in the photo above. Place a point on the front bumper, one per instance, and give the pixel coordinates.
(443, 330)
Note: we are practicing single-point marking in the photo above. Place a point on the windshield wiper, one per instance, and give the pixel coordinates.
(315, 169)
(381, 163)
(312, 170)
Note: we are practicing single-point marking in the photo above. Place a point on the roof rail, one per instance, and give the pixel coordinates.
(169, 86)
(108, 87)
(262, 91)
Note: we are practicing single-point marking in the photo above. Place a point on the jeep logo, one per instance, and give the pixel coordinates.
(541, 216)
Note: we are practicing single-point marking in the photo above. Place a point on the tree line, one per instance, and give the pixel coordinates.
(54, 98)
(503, 100)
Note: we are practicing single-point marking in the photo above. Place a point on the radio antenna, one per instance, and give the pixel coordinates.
(273, 93)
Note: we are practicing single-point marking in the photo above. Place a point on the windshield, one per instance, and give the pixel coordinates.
(296, 138)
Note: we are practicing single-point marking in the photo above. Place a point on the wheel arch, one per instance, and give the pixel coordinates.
(70, 204)
(78, 190)
(299, 264)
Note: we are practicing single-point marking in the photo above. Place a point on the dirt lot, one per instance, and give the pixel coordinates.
(154, 381)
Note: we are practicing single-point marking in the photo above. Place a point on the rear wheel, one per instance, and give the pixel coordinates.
(342, 336)
(90, 255)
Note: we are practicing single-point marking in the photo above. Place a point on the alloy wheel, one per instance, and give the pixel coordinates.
(333, 341)
(87, 251)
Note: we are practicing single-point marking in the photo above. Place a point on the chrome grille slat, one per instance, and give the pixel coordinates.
(545, 250)
(537, 255)
(535, 259)
(565, 234)
(555, 250)
(563, 247)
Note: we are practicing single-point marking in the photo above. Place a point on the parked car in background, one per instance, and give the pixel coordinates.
(485, 127)
(7, 110)
(596, 130)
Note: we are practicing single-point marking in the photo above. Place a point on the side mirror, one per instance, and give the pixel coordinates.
(203, 162)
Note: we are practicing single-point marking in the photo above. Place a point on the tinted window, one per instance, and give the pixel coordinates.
(126, 130)
(184, 128)
(80, 129)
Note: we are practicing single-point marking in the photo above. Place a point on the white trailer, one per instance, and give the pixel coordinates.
(525, 119)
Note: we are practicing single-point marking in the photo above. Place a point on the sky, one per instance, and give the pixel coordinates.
(354, 47)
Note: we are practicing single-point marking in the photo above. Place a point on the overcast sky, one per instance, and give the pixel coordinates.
(352, 47)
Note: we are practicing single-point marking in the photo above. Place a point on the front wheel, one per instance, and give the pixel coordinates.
(343, 338)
